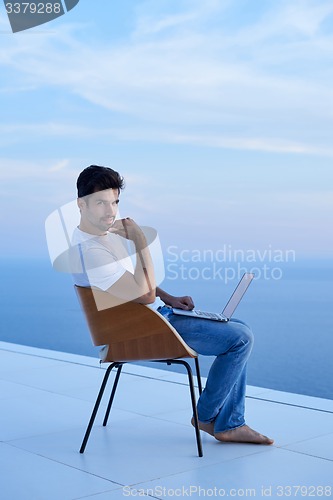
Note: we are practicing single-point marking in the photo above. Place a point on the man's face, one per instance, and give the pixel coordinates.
(98, 211)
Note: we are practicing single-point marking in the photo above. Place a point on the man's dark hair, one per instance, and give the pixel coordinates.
(95, 178)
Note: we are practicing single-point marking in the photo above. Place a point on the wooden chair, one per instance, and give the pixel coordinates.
(133, 332)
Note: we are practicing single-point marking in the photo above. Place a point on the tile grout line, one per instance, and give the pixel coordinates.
(290, 404)
(305, 454)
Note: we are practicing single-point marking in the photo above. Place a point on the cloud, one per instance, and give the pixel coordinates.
(249, 88)
(252, 144)
(304, 16)
(41, 182)
(13, 134)
(60, 165)
(151, 21)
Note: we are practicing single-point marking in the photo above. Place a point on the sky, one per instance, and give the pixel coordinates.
(219, 115)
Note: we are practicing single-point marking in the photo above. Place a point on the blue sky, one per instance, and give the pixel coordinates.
(217, 113)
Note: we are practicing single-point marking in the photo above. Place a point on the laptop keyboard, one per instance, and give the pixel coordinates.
(208, 315)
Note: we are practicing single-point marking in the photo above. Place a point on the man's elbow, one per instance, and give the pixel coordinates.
(147, 298)
(150, 297)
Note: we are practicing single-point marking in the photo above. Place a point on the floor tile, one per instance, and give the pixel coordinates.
(25, 476)
(297, 399)
(12, 363)
(286, 424)
(53, 377)
(14, 390)
(253, 391)
(40, 412)
(280, 422)
(119, 494)
(278, 473)
(47, 398)
(321, 446)
(144, 397)
(136, 450)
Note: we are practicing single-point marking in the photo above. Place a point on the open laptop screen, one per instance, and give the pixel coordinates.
(238, 294)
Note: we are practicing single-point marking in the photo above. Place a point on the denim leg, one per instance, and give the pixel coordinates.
(223, 399)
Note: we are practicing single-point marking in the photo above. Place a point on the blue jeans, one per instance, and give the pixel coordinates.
(223, 399)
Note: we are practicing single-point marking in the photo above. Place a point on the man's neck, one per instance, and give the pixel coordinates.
(88, 228)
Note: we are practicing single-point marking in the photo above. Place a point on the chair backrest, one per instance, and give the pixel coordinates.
(132, 331)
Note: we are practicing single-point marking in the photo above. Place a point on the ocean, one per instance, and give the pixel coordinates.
(291, 317)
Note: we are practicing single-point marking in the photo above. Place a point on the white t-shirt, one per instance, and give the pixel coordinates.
(100, 261)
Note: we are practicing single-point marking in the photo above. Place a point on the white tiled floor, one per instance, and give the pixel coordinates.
(148, 448)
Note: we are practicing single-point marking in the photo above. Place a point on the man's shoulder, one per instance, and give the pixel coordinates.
(86, 240)
(94, 247)
(79, 236)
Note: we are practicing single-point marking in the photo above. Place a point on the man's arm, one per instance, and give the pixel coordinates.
(140, 286)
(185, 302)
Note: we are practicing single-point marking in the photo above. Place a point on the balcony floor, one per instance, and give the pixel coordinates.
(148, 448)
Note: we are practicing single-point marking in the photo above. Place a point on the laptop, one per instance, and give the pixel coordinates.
(229, 309)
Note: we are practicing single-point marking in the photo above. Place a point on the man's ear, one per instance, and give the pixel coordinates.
(81, 203)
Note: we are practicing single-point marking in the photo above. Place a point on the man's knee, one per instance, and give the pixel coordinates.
(245, 336)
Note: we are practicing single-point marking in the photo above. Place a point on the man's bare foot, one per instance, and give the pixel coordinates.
(243, 434)
(209, 428)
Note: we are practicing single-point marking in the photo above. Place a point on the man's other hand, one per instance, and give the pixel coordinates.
(185, 302)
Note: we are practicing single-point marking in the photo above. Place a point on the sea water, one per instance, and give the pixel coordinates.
(291, 317)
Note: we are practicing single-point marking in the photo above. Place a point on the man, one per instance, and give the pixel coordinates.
(221, 406)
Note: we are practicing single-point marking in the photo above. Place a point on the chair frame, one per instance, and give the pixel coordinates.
(119, 367)
(150, 338)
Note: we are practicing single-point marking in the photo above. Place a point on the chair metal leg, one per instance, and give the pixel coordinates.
(94, 412)
(197, 369)
(113, 392)
(194, 405)
(114, 388)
